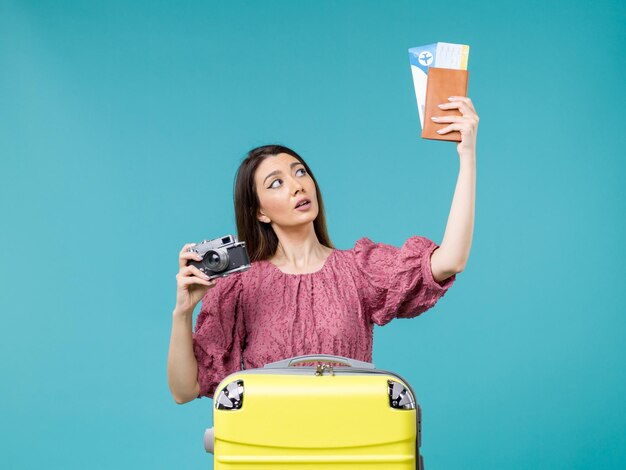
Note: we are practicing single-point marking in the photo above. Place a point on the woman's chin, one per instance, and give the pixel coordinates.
(303, 219)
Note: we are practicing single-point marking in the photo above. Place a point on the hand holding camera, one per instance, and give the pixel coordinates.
(192, 283)
(201, 263)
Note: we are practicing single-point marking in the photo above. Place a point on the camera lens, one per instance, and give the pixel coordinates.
(216, 260)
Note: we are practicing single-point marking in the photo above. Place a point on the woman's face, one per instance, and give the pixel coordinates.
(281, 183)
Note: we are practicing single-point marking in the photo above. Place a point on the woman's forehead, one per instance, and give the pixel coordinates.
(275, 162)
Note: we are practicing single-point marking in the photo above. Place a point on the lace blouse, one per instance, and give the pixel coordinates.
(264, 315)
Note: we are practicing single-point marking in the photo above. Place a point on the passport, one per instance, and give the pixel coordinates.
(442, 83)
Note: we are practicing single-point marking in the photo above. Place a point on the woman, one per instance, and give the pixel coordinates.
(301, 295)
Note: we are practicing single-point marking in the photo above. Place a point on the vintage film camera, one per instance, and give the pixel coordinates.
(221, 256)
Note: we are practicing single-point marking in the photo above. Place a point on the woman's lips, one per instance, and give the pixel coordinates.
(304, 207)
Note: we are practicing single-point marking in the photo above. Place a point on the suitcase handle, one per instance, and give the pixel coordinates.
(319, 357)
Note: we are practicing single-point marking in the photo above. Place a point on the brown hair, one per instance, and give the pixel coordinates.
(261, 240)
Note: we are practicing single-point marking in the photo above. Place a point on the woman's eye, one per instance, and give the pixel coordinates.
(274, 185)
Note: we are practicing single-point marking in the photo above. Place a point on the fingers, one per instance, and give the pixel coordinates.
(463, 104)
(454, 127)
(463, 99)
(189, 271)
(192, 275)
(192, 271)
(186, 247)
(442, 119)
(459, 123)
(465, 123)
(185, 255)
(186, 281)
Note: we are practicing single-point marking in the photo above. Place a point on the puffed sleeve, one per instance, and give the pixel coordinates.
(219, 334)
(398, 282)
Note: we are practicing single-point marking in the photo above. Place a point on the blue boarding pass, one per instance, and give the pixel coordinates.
(440, 54)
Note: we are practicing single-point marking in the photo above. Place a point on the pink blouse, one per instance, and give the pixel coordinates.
(264, 315)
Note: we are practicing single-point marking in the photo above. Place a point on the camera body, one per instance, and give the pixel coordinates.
(221, 256)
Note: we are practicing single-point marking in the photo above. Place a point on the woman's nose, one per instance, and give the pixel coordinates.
(296, 187)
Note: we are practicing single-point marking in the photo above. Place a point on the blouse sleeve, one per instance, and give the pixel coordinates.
(398, 282)
(219, 334)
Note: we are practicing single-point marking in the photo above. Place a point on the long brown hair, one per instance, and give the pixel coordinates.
(261, 240)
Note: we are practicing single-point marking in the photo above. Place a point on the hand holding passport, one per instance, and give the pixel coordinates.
(439, 71)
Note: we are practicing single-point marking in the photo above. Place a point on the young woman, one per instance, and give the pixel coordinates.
(301, 295)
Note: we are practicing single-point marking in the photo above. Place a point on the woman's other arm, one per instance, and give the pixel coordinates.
(182, 368)
(453, 253)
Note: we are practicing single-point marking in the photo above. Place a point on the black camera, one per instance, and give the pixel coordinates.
(221, 256)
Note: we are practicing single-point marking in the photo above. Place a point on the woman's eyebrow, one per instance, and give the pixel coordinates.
(278, 172)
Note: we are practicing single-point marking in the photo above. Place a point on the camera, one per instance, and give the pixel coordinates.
(221, 256)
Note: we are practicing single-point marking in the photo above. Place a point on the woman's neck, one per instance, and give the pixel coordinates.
(298, 249)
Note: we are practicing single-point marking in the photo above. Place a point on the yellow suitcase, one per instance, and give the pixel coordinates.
(322, 416)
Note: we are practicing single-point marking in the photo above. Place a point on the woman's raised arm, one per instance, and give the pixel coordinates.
(453, 253)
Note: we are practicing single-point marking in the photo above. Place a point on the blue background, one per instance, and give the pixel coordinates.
(122, 125)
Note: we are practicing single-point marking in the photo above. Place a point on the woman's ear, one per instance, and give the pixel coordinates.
(263, 218)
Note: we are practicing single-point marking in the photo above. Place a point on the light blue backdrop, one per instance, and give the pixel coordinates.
(122, 125)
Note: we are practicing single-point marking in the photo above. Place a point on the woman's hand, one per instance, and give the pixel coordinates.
(467, 124)
(192, 283)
